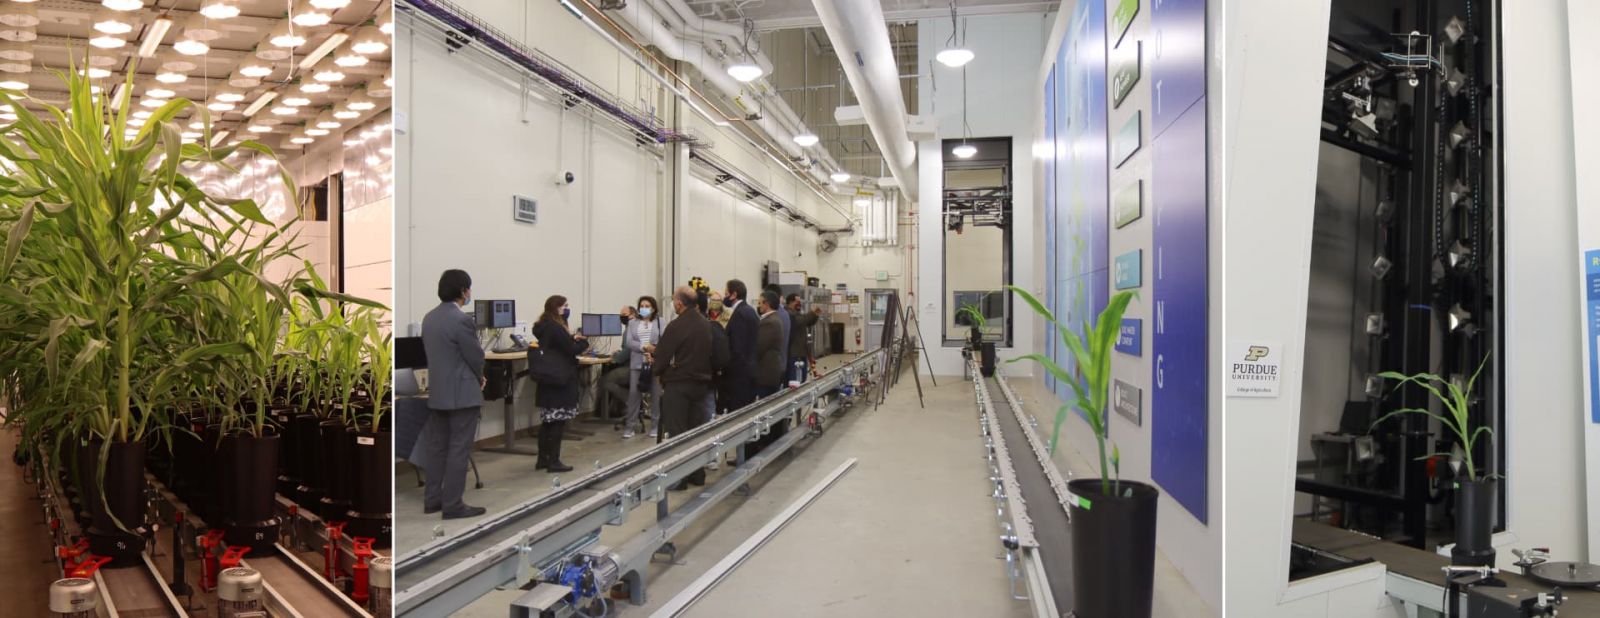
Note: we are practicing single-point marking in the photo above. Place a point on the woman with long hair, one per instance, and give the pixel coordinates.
(557, 402)
(644, 330)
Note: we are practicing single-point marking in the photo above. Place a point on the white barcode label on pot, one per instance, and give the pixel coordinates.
(365, 441)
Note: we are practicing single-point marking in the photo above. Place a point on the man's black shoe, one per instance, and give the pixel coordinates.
(471, 511)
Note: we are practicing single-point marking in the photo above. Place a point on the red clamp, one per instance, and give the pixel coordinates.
(363, 551)
(208, 543)
(330, 552)
(232, 556)
(90, 564)
(70, 556)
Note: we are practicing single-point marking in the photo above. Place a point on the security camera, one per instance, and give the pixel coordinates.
(566, 178)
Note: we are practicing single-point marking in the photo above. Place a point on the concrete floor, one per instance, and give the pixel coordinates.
(910, 531)
(27, 557)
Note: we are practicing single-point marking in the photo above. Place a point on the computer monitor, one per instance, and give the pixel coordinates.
(409, 353)
(495, 313)
(602, 325)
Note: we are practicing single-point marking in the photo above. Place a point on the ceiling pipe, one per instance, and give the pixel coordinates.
(861, 38)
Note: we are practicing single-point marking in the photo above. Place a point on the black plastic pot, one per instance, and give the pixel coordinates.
(335, 445)
(1113, 550)
(208, 494)
(288, 450)
(987, 358)
(372, 457)
(308, 432)
(250, 517)
(1474, 523)
(122, 500)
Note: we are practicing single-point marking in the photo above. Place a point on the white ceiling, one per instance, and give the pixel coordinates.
(63, 29)
(781, 14)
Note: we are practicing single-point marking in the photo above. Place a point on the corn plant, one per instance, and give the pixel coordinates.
(1092, 354)
(1457, 405)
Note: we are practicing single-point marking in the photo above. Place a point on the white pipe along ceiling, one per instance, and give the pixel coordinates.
(861, 38)
(655, 20)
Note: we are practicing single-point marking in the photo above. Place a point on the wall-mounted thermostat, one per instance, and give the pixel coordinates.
(524, 209)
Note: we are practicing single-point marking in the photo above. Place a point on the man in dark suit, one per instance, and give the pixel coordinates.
(455, 396)
(739, 377)
(682, 362)
(771, 350)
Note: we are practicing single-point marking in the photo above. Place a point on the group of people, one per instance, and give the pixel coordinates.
(721, 352)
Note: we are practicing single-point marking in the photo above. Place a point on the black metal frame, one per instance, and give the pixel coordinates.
(986, 206)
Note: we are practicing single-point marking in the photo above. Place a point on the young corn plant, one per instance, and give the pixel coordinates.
(1457, 404)
(1091, 354)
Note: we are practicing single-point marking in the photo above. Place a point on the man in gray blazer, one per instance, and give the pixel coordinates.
(455, 396)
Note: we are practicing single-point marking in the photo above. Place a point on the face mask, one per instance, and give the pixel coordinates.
(565, 313)
(645, 312)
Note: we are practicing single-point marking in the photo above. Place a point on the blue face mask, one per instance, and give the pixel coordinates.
(566, 313)
(644, 312)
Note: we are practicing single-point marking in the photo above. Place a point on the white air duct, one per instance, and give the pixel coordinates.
(861, 38)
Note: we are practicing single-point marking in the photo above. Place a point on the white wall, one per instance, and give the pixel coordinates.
(1273, 85)
(1002, 100)
(1581, 19)
(469, 139)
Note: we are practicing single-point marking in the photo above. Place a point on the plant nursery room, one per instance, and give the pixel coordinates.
(695, 296)
(196, 206)
(1412, 309)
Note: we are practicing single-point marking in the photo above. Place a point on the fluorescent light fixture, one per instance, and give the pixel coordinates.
(296, 100)
(229, 96)
(316, 55)
(955, 57)
(169, 76)
(216, 138)
(255, 68)
(219, 9)
(112, 22)
(361, 102)
(346, 114)
(745, 71)
(807, 139)
(106, 41)
(190, 47)
(327, 72)
(284, 36)
(123, 5)
(285, 110)
(314, 87)
(153, 36)
(315, 131)
(369, 40)
(266, 97)
(220, 106)
(840, 177)
(158, 92)
(964, 151)
(349, 58)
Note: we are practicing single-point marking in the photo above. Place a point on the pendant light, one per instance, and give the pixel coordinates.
(954, 55)
(965, 150)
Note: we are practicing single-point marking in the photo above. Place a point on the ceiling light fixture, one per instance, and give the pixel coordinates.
(153, 36)
(237, 80)
(260, 128)
(325, 120)
(13, 33)
(745, 71)
(301, 138)
(13, 82)
(386, 20)
(330, 5)
(19, 15)
(219, 9)
(954, 55)
(143, 113)
(199, 28)
(327, 72)
(349, 58)
(316, 55)
(296, 100)
(361, 102)
(123, 5)
(255, 68)
(190, 47)
(220, 105)
(807, 139)
(964, 151)
(345, 113)
(112, 22)
(96, 73)
(285, 110)
(314, 87)
(169, 76)
(151, 103)
(304, 14)
(106, 41)
(283, 35)
(840, 177)
(266, 97)
(315, 131)
(229, 95)
(159, 93)
(369, 40)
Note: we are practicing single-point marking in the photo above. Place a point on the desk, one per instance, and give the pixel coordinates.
(506, 362)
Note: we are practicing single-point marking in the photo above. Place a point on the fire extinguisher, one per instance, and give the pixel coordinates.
(858, 336)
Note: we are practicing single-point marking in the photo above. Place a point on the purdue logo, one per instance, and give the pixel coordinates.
(1255, 353)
